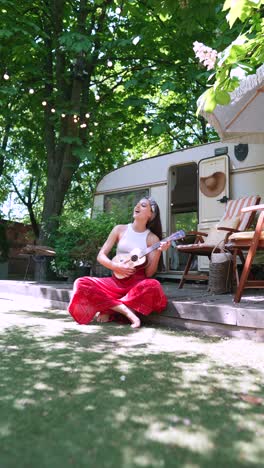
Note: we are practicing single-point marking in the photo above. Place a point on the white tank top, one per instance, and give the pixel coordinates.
(132, 239)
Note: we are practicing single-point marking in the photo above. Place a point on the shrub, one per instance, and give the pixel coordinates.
(80, 239)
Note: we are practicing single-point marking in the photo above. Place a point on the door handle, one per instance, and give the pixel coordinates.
(224, 199)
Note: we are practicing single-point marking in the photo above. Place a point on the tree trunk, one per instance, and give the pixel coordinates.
(4, 145)
(58, 183)
(62, 162)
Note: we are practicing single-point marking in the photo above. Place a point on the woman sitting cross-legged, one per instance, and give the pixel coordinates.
(130, 291)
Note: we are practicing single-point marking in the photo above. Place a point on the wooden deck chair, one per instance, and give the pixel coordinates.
(250, 241)
(233, 220)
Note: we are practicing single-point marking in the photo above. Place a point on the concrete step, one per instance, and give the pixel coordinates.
(53, 295)
(191, 308)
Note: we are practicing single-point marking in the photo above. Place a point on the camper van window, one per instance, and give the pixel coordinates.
(123, 202)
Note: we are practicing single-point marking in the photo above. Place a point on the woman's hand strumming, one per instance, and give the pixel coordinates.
(123, 269)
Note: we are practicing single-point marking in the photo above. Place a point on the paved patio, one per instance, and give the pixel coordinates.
(191, 308)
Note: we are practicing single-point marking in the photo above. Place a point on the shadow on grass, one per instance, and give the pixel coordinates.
(107, 396)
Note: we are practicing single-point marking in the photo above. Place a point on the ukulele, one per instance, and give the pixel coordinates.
(137, 258)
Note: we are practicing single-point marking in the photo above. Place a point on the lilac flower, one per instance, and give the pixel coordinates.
(206, 55)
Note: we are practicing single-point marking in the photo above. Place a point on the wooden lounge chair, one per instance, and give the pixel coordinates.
(250, 241)
(233, 220)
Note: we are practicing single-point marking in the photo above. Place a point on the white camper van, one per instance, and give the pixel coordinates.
(174, 180)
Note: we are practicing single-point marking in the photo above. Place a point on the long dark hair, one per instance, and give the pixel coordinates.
(154, 225)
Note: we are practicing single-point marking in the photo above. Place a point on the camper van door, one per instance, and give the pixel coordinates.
(213, 187)
(213, 190)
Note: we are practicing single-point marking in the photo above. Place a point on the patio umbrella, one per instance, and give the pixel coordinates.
(243, 118)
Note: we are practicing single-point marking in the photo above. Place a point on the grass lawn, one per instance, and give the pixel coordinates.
(108, 396)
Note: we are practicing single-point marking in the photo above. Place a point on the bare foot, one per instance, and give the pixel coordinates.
(136, 323)
(127, 312)
(133, 319)
(102, 318)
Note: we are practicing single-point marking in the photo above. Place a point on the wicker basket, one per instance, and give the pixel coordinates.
(220, 273)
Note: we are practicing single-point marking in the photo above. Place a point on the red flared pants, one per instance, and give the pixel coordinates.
(92, 295)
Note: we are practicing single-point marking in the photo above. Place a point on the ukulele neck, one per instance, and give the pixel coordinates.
(177, 235)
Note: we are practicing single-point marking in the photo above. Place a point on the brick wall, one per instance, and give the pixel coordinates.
(18, 236)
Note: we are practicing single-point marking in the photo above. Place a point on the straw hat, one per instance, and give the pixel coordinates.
(212, 185)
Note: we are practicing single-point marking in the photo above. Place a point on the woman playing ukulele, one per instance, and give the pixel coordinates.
(130, 291)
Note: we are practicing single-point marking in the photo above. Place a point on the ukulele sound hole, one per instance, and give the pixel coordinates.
(134, 258)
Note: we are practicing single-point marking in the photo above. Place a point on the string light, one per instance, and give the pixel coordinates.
(136, 40)
(108, 149)
(145, 129)
(118, 11)
(109, 63)
(75, 117)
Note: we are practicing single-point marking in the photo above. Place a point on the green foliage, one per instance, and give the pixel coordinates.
(80, 238)
(186, 221)
(67, 59)
(210, 100)
(222, 97)
(244, 54)
(241, 9)
(75, 42)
